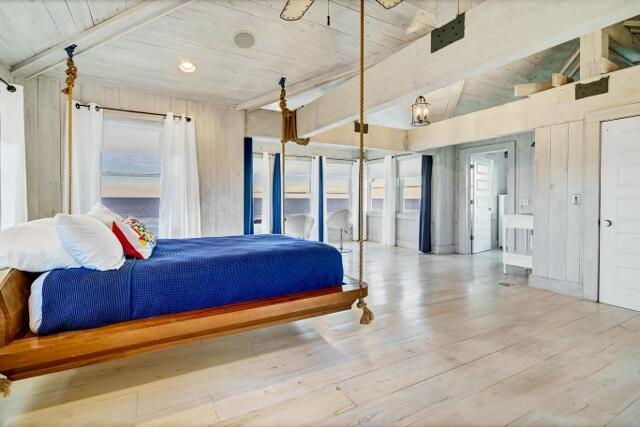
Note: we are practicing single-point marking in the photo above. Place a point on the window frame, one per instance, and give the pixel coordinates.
(137, 125)
(401, 208)
(370, 209)
(292, 162)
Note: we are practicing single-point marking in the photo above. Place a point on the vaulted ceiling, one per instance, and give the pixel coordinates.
(308, 52)
(203, 33)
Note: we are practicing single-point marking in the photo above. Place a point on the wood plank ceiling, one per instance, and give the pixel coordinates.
(203, 33)
(485, 91)
(30, 27)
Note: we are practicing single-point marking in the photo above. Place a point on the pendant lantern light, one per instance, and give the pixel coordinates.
(420, 112)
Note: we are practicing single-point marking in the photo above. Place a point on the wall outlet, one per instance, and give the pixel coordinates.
(525, 202)
(576, 199)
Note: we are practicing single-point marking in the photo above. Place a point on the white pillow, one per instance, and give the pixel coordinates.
(89, 242)
(104, 215)
(34, 247)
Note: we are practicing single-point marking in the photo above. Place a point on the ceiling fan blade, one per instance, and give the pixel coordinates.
(388, 4)
(295, 9)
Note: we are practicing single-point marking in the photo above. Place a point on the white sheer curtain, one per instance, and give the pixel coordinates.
(86, 154)
(389, 210)
(354, 201)
(315, 198)
(13, 172)
(267, 197)
(179, 186)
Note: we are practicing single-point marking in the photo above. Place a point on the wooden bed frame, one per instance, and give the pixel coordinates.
(24, 355)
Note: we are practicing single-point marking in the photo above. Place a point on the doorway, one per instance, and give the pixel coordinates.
(481, 195)
(473, 224)
(620, 213)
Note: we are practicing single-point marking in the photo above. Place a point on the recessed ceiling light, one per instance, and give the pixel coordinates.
(244, 39)
(187, 67)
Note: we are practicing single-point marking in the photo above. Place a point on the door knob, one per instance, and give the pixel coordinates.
(608, 222)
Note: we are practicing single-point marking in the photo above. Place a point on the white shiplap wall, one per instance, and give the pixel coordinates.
(219, 129)
(558, 223)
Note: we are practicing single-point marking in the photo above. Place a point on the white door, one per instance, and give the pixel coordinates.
(620, 214)
(481, 204)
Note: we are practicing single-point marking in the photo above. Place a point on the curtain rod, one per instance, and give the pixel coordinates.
(10, 87)
(127, 111)
(394, 155)
(310, 157)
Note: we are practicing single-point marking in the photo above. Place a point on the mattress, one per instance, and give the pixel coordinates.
(182, 275)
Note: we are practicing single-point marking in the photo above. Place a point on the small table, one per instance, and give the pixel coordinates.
(518, 222)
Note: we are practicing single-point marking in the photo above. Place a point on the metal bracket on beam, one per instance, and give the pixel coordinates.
(447, 34)
(356, 127)
(598, 87)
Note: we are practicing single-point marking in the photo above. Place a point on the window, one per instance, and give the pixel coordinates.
(297, 199)
(376, 194)
(410, 189)
(410, 180)
(337, 185)
(258, 188)
(375, 176)
(130, 169)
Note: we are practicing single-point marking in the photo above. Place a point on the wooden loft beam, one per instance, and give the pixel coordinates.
(105, 31)
(554, 106)
(527, 89)
(447, 10)
(266, 124)
(605, 65)
(593, 48)
(523, 28)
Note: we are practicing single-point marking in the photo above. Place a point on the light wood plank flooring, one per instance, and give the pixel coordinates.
(449, 346)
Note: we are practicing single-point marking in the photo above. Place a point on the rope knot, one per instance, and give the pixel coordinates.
(5, 386)
(367, 314)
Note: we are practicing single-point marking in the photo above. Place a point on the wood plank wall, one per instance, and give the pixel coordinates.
(443, 236)
(558, 223)
(219, 130)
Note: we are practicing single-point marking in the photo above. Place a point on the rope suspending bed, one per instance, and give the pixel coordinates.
(24, 355)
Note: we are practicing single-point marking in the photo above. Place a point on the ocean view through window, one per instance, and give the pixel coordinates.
(297, 199)
(130, 169)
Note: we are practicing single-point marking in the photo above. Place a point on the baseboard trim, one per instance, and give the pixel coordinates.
(558, 286)
(407, 244)
(443, 249)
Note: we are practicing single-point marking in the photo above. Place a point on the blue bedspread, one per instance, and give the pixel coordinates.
(187, 274)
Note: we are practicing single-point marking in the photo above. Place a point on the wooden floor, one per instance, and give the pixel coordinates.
(450, 345)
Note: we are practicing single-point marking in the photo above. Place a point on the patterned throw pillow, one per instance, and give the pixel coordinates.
(136, 240)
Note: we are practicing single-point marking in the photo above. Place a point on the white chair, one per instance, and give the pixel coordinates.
(339, 224)
(299, 226)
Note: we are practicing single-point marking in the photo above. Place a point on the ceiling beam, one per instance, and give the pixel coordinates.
(266, 124)
(322, 82)
(594, 48)
(553, 106)
(623, 42)
(496, 34)
(113, 28)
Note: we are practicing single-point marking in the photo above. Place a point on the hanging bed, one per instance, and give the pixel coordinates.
(188, 291)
